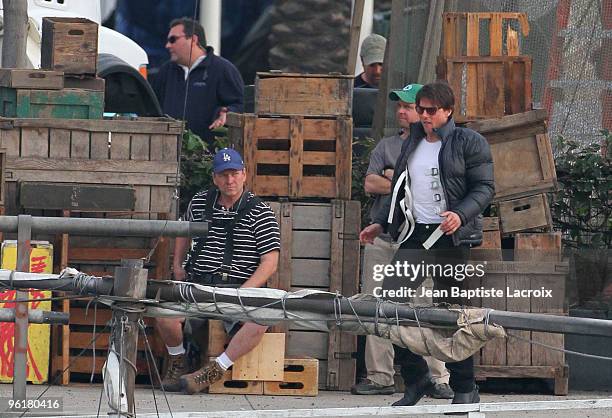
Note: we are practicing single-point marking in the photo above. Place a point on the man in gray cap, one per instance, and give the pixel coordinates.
(379, 352)
(372, 56)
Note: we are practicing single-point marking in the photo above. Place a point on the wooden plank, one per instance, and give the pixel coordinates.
(490, 249)
(143, 202)
(311, 244)
(301, 379)
(79, 145)
(493, 128)
(141, 125)
(490, 223)
(484, 371)
(162, 201)
(53, 196)
(268, 128)
(512, 42)
(31, 79)
(313, 216)
(11, 142)
(344, 146)
(471, 90)
(139, 147)
(286, 251)
(518, 352)
(355, 32)
(547, 161)
(544, 246)
(296, 151)
(491, 78)
(83, 340)
(59, 143)
(120, 146)
(307, 343)
(473, 34)
(66, 176)
(107, 254)
(84, 83)
(35, 143)
(100, 149)
(249, 150)
(335, 285)
(81, 165)
(265, 362)
(494, 352)
(495, 34)
(216, 338)
(310, 273)
(279, 186)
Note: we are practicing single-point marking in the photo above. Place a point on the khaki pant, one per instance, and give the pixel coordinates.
(379, 352)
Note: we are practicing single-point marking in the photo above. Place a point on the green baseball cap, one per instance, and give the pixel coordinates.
(407, 94)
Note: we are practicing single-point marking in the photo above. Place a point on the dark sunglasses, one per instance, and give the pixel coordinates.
(172, 39)
(430, 110)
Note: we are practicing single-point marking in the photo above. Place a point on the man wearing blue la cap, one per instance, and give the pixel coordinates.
(241, 249)
(379, 352)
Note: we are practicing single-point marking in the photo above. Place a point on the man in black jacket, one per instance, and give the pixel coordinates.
(212, 84)
(442, 183)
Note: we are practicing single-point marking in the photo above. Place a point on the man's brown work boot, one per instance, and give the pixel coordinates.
(201, 379)
(174, 370)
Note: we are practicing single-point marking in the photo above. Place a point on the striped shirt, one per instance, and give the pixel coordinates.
(256, 234)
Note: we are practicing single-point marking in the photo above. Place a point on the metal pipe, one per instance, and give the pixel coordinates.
(107, 227)
(37, 316)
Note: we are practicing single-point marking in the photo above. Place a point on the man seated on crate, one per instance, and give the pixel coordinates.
(378, 351)
(241, 250)
(443, 181)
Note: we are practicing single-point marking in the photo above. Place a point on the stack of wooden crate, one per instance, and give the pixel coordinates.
(67, 86)
(297, 149)
(524, 174)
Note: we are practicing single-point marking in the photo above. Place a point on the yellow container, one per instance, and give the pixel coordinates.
(39, 335)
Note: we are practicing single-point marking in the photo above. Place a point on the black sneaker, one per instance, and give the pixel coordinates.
(367, 387)
(441, 391)
(416, 391)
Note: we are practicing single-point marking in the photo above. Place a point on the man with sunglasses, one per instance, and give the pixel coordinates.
(379, 352)
(196, 85)
(443, 181)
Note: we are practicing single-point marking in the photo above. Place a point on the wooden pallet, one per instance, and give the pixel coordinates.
(320, 250)
(462, 33)
(519, 144)
(494, 86)
(294, 156)
(303, 94)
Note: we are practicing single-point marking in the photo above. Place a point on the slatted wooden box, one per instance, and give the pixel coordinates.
(295, 156)
(69, 44)
(494, 86)
(31, 79)
(525, 214)
(62, 104)
(519, 144)
(320, 250)
(516, 358)
(303, 94)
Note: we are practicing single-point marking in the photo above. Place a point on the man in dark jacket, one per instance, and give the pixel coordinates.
(443, 181)
(212, 84)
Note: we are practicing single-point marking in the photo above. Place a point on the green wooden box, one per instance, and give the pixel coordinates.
(62, 104)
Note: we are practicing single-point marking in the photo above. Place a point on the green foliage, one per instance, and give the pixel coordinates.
(583, 205)
(196, 163)
(362, 148)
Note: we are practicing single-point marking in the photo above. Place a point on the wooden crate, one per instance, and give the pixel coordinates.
(83, 359)
(462, 33)
(320, 250)
(494, 86)
(62, 104)
(303, 94)
(519, 144)
(295, 156)
(490, 249)
(31, 79)
(524, 214)
(69, 44)
(512, 357)
(228, 386)
(301, 379)
(140, 153)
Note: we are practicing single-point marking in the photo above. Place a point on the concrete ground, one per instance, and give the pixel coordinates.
(82, 401)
